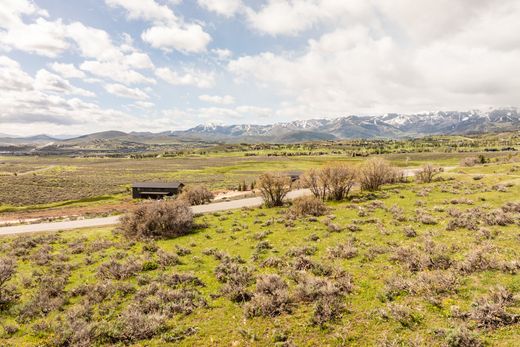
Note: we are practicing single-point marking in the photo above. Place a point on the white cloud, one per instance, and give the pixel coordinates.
(354, 70)
(223, 7)
(222, 54)
(144, 104)
(148, 10)
(12, 77)
(41, 37)
(116, 71)
(93, 43)
(189, 77)
(49, 82)
(216, 99)
(189, 38)
(125, 92)
(67, 70)
(290, 17)
(168, 32)
(11, 12)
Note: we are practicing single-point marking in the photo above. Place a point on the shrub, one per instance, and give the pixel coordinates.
(345, 250)
(427, 173)
(158, 219)
(376, 172)
(328, 308)
(490, 312)
(462, 337)
(401, 313)
(307, 206)
(113, 269)
(134, 325)
(274, 188)
(332, 182)
(236, 279)
(197, 195)
(271, 297)
(7, 293)
(469, 161)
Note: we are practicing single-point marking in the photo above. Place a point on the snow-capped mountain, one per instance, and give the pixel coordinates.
(391, 125)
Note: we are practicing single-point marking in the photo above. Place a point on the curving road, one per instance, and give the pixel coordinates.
(107, 221)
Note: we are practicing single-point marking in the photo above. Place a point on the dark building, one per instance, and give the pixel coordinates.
(294, 175)
(155, 190)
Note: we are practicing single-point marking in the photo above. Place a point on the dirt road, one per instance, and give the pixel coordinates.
(107, 221)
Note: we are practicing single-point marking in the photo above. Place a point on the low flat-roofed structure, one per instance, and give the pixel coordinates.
(155, 190)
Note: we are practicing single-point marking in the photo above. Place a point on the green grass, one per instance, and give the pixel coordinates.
(223, 322)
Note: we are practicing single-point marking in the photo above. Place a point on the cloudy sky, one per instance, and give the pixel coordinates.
(72, 67)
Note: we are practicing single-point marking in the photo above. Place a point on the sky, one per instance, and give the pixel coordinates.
(75, 67)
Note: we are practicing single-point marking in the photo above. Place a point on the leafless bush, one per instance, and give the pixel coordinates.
(432, 256)
(197, 195)
(271, 297)
(428, 173)
(401, 313)
(376, 172)
(180, 280)
(462, 337)
(307, 206)
(425, 217)
(274, 262)
(511, 207)
(302, 251)
(328, 308)
(134, 325)
(397, 213)
(236, 279)
(498, 217)
(469, 161)
(75, 328)
(7, 293)
(345, 250)
(50, 295)
(274, 188)
(478, 259)
(116, 270)
(332, 182)
(167, 259)
(490, 312)
(158, 219)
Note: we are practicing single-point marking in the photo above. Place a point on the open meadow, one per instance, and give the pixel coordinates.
(52, 185)
(413, 264)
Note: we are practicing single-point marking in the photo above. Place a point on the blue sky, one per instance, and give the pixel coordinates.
(73, 67)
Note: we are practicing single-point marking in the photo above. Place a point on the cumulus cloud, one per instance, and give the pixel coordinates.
(189, 77)
(223, 7)
(49, 82)
(168, 32)
(216, 99)
(42, 102)
(116, 71)
(389, 63)
(190, 38)
(126, 92)
(67, 70)
(144, 9)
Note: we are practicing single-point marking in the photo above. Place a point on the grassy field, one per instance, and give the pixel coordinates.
(37, 183)
(412, 265)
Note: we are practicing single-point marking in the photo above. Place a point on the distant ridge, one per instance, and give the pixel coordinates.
(388, 126)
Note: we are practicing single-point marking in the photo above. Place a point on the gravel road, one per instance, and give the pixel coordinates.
(107, 221)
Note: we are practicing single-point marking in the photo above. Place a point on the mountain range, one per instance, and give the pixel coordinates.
(389, 126)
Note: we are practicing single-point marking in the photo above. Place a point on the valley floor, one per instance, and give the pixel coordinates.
(415, 264)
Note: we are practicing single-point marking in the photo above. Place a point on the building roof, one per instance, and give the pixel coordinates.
(166, 185)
